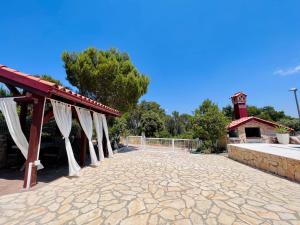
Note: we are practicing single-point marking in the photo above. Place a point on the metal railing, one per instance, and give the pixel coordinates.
(163, 143)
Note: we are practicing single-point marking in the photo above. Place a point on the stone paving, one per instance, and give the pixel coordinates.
(151, 187)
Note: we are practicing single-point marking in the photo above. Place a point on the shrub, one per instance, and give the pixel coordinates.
(282, 130)
(209, 125)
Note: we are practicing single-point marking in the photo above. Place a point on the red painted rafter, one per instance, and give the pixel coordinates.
(48, 89)
(236, 123)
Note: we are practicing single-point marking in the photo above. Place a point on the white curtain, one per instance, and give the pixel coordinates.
(8, 108)
(63, 117)
(99, 130)
(110, 152)
(86, 122)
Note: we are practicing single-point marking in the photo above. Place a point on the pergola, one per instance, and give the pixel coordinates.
(38, 92)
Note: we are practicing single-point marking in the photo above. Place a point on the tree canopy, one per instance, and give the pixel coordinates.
(151, 123)
(174, 125)
(267, 113)
(106, 76)
(49, 78)
(209, 124)
(135, 116)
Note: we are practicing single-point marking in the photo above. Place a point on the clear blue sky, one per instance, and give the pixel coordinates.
(191, 50)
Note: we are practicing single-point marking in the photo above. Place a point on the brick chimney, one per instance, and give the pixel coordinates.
(239, 104)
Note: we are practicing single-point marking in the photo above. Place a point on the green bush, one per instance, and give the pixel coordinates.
(282, 130)
(209, 125)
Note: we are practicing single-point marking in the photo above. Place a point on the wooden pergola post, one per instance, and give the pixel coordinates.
(30, 177)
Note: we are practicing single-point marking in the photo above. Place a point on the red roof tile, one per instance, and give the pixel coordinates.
(47, 88)
(236, 123)
(238, 94)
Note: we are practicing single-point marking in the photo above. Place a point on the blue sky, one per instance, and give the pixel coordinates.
(190, 49)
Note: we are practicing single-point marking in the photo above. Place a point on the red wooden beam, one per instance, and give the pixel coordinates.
(49, 89)
(22, 80)
(13, 90)
(13, 83)
(85, 102)
(34, 141)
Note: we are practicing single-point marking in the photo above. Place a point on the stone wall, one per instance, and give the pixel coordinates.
(282, 166)
(265, 130)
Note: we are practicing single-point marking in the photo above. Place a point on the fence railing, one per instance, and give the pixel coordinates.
(163, 143)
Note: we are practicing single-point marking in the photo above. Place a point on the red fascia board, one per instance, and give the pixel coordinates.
(22, 80)
(269, 123)
(248, 120)
(83, 100)
(16, 84)
(46, 88)
(238, 94)
(233, 127)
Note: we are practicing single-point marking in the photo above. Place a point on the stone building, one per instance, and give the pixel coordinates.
(244, 128)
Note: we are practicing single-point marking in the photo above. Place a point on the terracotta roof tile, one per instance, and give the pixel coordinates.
(238, 93)
(236, 123)
(50, 88)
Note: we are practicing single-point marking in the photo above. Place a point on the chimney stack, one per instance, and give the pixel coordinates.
(239, 104)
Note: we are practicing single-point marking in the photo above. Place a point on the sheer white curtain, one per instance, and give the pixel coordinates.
(8, 108)
(110, 153)
(99, 130)
(86, 122)
(63, 117)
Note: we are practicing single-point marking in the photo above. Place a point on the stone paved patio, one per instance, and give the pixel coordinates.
(148, 187)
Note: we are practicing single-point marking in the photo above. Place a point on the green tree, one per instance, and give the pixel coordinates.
(272, 113)
(253, 110)
(209, 124)
(49, 78)
(228, 112)
(4, 92)
(134, 117)
(266, 112)
(291, 122)
(178, 124)
(118, 129)
(152, 106)
(151, 123)
(106, 76)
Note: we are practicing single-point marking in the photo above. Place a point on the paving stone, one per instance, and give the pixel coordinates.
(115, 207)
(87, 217)
(225, 218)
(47, 218)
(137, 219)
(116, 217)
(53, 207)
(152, 187)
(153, 220)
(176, 204)
(135, 206)
(169, 213)
(183, 222)
(196, 219)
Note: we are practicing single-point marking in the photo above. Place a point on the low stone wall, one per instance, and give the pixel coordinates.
(282, 166)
